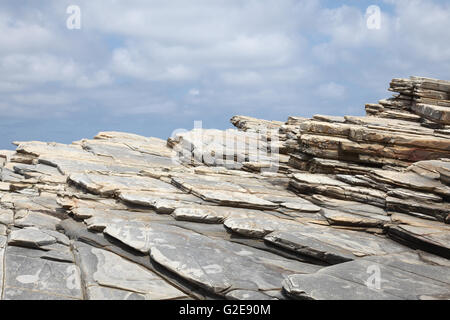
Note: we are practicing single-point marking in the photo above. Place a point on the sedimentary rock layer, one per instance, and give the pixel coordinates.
(325, 208)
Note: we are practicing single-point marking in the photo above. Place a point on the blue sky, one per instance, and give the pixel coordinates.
(153, 66)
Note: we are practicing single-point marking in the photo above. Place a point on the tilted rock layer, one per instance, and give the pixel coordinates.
(323, 208)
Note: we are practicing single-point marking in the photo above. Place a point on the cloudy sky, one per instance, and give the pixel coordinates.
(153, 66)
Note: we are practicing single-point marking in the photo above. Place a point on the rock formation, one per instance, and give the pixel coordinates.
(323, 208)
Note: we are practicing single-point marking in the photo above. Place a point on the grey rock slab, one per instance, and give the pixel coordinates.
(60, 237)
(332, 245)
(77, 231)
(347, 206)
(214, 264)
(155, 201)
(302, 206)
(436, 211)
(30, 273)
(431, 112)
(222, 192)
(105, 293)
(4, 186)
(24, 294)
(411, 180)
(104, 184)
(218, 231)
(3, 230)
(339, 190)
(30, 237)
(7, 175)
(6, 216)
(120, 151)
(45, 202)
(335, 217)
(428, 239)
(248, 295)
(304, 245)
(414, 195)
(353, 180)
(3, 241)
(148, 199)
(326, 118)
(199, 214)
(106, 269)
(317, 179)
(326, 287)
(37, 148)
(55, 252)
(236, 199)
(103, 216)
(418, 263)
(25, 218)
(258, 226)
(68, 166)
(136, 235)
(59, 256)
(394, 280)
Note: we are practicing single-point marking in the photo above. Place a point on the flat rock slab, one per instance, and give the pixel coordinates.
(25, 294)
(30, 237)
(432, 240)
(104, 293)
(26, 218)
(109, 184)
(335, 217)
(433, 113)
(326, 287)
(24, 272)
(411, 180)
(216, 265)
(332, 245)
(248, 295)
(306, 183)
(235, 199)
(164, 203)
(347, 206)
(104, 270)
(397, 276)
(257, 226)
(223, 193)
(6, 216)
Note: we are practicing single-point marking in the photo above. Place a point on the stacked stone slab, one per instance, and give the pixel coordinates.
(255, 149)
(418, 99)
(395, 159)
(367, 141)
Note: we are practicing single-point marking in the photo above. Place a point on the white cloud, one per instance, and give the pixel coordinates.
(194, 92)
(331, 90)
(20, 35)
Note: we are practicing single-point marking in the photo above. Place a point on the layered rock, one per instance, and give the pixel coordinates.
(418, 99)
(306, 209)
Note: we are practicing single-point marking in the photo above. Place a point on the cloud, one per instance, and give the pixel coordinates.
(194, 92)
(258, 57)
(331, 90)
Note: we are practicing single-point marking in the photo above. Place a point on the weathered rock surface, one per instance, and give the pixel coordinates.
(405, 276)
(324, 208)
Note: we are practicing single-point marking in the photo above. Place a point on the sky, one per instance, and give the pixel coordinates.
(154, 66)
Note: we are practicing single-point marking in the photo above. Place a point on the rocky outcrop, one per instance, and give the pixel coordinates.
(322, 208)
